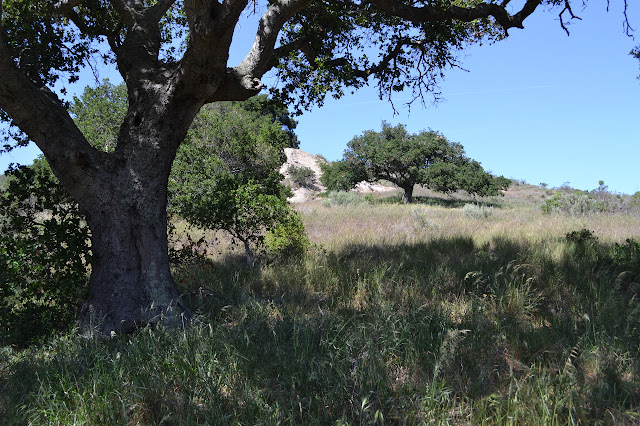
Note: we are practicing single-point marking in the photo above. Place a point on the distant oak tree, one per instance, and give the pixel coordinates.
(173, 57)
(426, 158)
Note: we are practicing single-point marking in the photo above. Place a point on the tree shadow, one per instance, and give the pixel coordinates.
(385, 323)
(453, 203)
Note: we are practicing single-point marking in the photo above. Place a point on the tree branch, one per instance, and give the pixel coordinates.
(157, 11)
(125, 10)
(41, 115)
(63, 6)
(466, 14)
(567, 8)
(260, 58)
(73, 16)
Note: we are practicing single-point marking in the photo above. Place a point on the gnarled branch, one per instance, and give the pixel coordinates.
(260, 58)
(466, 14)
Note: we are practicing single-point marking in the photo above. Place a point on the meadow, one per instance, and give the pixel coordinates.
(441, 312)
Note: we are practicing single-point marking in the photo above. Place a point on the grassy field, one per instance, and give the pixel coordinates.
(436, 313)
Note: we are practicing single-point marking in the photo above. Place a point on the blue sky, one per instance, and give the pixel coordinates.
(538, 106)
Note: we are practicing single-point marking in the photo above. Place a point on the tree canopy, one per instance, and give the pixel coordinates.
(426, 158)
(173, 56)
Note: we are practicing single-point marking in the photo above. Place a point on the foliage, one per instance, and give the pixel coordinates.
(627, 255)
(345, 198)
(468, 176)
(347, 46)
(572, 203)
(341, 175)
(581, 236)
(98, 113)
(302, 176)
(423, 221)
(226, 173)
(287, 238)
(579, 203)
(426, 158)
(44, 254)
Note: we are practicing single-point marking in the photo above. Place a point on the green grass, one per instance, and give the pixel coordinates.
(399, 315)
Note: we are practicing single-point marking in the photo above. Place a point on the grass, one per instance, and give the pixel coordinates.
(398, 315)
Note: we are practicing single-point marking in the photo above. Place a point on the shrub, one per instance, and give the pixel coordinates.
(476, 211)
(573, 203)
(287, 239)
(302, 176)
(627, 255)
(581, 236)
(44, 254)
(423, 222)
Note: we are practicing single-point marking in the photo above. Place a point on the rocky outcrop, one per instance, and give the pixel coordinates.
(299, 158)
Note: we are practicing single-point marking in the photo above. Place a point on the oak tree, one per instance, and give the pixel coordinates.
(426, 158)
(173, 57)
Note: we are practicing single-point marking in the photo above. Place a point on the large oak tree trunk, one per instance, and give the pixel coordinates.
(131, 282)
(125, 203)
(407, 195)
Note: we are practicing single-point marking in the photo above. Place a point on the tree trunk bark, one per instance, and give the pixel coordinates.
(125, 202)
(407, 195)
(131, 282)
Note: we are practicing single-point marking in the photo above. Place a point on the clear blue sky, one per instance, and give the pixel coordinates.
(538, 106)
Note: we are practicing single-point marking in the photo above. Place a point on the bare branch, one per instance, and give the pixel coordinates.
(567, 9)
(157, 11)
(627, 26)
(466, 14)
(259, 59)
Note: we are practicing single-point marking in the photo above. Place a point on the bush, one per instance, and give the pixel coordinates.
(302, 176)
(44, 255)
(627, 255)
(288, 239)
(477, 212)
(573, 203)
(581, 236)
(422, 220)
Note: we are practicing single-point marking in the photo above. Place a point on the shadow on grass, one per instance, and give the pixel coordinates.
(406, 330)
(443, 201)
(453, 203)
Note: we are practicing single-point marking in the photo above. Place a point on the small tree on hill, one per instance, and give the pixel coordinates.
(426, 158)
